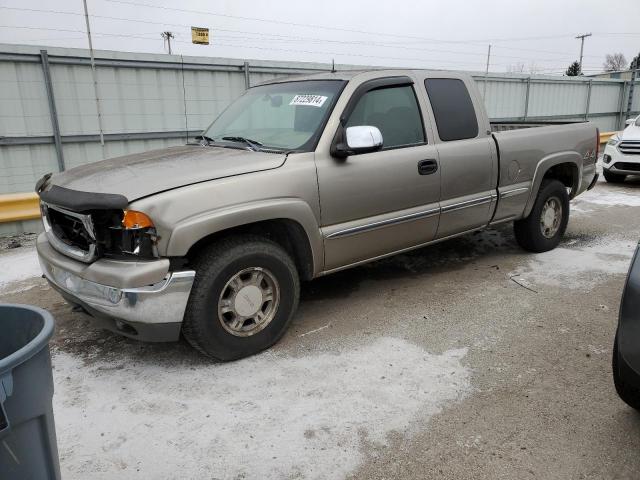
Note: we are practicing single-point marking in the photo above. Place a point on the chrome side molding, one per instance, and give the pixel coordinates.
(383, 223)
(468, 203)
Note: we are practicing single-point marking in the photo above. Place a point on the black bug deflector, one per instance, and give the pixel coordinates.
(79, 201)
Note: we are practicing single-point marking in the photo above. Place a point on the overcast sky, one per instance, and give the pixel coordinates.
(529, 35)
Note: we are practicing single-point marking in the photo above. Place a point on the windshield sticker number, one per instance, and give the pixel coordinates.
(312, 100)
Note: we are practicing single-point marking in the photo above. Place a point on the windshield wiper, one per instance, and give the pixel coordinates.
(253, 144)
(209, 140)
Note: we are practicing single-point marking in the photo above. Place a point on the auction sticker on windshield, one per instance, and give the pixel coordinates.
(312, 100)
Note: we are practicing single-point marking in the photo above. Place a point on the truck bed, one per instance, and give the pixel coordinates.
(523, 149)
(502, 126)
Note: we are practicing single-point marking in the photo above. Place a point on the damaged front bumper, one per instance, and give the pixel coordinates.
(150, 311)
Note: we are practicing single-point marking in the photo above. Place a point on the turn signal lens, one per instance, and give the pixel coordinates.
(133, 219)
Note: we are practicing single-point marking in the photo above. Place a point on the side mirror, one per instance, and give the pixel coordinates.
(363, 139)
(360, 139)
(631, 121)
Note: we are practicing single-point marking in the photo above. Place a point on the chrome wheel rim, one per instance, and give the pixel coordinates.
(551, 217)
(248, 302)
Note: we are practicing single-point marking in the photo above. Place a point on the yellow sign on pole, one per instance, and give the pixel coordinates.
(200, 36)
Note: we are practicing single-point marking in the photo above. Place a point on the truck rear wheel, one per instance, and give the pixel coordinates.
(613, 177)
(243, 298)
(543, 228)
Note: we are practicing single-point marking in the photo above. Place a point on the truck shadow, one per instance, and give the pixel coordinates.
(632, 182)
(77, 334)
(449, 255)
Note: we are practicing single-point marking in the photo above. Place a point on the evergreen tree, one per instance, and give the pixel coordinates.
(573, 70)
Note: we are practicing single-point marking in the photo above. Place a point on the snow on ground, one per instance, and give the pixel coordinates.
(17, 265)
(269, 416)
(606, 197)
(576, 266)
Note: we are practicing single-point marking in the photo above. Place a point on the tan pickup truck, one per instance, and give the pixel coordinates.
(298, 178)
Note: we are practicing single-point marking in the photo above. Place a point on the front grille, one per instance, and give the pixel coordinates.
(69, 230)
(630, 147)
(70, 233)
(632, 167)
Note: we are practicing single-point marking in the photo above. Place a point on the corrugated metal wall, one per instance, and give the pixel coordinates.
(152, 101)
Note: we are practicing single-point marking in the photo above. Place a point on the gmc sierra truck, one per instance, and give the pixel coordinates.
(298, 178)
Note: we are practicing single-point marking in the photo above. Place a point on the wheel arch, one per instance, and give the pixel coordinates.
(289, 223)
(565, 167)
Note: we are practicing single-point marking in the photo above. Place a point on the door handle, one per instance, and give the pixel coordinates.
(427, 167)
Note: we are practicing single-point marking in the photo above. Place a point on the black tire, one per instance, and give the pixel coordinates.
(528, 230)
(218, 264)
(613, 177)
(628, 394)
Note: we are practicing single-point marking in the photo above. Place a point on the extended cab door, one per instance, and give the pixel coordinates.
(468, 161)
(377, 203)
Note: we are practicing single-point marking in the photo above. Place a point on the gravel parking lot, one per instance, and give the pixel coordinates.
(468, 359)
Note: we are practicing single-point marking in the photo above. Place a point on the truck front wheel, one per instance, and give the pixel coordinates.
(543, 228)
(243, 298)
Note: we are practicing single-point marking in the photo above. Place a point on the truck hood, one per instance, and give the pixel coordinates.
(143, 174)
(630, 133)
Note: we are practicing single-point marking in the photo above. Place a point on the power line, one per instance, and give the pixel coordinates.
(240, 45)
(289, 38)
(269, 37)
(81, 31)
(315, 52)
(342, 29)
(273, 21)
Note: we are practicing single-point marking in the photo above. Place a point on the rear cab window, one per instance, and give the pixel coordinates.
(453, 110)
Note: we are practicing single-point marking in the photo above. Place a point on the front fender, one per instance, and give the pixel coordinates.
(192, 229)
(543, 167)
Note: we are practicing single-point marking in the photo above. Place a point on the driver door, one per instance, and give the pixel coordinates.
(378, 203)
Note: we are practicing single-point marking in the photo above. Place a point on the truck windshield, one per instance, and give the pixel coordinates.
(280, 116)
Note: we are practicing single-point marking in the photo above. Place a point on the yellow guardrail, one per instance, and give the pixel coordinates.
(605, 136)
(24, 206)
(19, 206)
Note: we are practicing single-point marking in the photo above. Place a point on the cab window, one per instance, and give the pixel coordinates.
(395, 111)
(452, 108)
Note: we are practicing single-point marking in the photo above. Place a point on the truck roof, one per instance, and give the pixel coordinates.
(349, 74)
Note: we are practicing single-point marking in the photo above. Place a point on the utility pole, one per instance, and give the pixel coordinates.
(167, 36)
(486, 73)
(635, 68)
(93, 73)
(582, 37)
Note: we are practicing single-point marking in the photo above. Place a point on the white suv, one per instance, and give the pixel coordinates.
(622, 153)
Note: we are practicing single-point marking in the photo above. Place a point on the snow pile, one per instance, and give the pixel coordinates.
(600, 197)
(269, 416)
(576, 267)
(16, 266)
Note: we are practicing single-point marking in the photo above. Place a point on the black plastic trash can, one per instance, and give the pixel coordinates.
(28, 448)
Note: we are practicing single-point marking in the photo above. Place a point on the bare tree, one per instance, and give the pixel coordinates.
(533, 68)
(614, 62)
